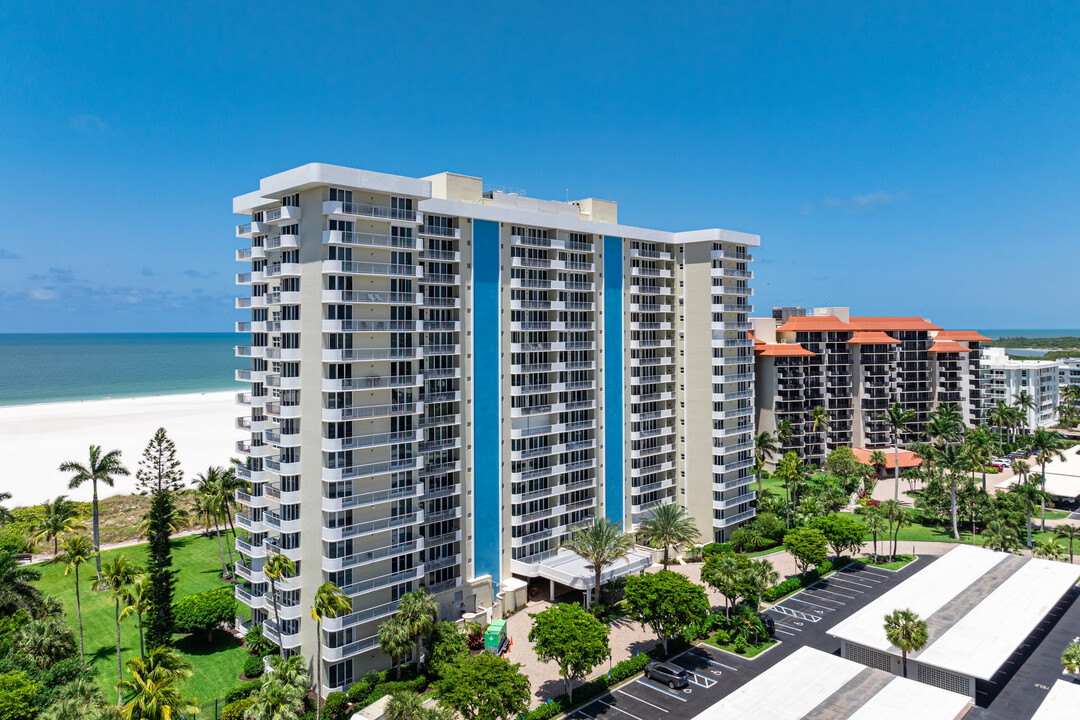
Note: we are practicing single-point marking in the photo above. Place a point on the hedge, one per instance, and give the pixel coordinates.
(243, 690)
(336, 706)
(253, 667)
(236, 709)
(204, 611)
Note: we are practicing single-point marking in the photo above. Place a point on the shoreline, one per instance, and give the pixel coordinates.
(36, 438)
(240, 387)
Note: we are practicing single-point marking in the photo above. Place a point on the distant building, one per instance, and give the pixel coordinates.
(1069, 374)
(1005, 378)
(856, 368)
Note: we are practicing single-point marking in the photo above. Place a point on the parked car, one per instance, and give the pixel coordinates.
(1000, 464)
(769, 623)
(672, 675)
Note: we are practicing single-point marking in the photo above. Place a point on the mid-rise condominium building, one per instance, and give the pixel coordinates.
(1005, 378)
(855, 368)
(446, 382)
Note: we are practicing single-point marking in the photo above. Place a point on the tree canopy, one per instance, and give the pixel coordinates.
(484, 687)
(667, 602)
(571, 637)
(807, 545)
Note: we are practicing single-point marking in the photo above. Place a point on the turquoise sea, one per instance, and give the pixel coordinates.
(39, 368)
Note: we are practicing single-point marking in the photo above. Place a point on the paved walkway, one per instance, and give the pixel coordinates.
(47, 556)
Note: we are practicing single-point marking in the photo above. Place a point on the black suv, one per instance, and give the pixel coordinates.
(769, 623)
(673, 675)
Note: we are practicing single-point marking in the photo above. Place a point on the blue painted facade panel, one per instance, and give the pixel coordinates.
(486, 396)
(613, 377)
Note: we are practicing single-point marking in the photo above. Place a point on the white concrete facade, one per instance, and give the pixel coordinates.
(428, 382)
(1005, 378)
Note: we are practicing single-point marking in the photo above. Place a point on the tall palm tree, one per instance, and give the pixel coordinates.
(1072, 532)
(785, 433)
(879, 461)
(1046, 446)
(395, 641)
(998, 416)
(876, 525)
(1070, 659)
(1049, 549)
(1025, 404)
(906, 632)
(765, 448)
(276, 568)
(59, 516)
(981, 449)
(600, 542)
(116, 574)
(136, 603)
(101, 468)
(897, 418)
(762, 574)
(17, 591)
(950, 458)
(791, 471)
(819, 421)
(419, 612)
(77, 550)
(153, 687)
(330, 602)
(206, 509)
(1029, 491)
(669, 526)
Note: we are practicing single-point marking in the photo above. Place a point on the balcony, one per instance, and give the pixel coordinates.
(372, 354)
(439, 231)
(282, 242)
(729, 255)
(372, 297)
(368, 557)
(375, 382)
(252, 228)
(376, 212)
(365, 586)
(339, 237)
(357, 442)
(347, 267)
(370, 412)
(284, 215)
(372, 498)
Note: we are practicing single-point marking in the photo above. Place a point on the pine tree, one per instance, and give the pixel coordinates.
(160, 476)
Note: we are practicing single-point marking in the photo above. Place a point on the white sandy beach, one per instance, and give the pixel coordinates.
(35, 439)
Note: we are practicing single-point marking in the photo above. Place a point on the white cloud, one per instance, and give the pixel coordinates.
(89, 123)
(866, 203)
(43, 294)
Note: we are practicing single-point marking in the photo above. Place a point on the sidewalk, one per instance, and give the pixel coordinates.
(48, 556)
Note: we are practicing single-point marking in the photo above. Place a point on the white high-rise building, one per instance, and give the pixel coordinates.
(1004, 378)
(447, 382)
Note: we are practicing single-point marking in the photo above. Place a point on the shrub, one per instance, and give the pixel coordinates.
(17, 692)
(253, 666)
(717, 549)
(243, 690)
(236, 709)
(256, 642)
(358, 691)
(202, 612)
(336, 706)
(740, 644)
(722, 637)
(14, 541)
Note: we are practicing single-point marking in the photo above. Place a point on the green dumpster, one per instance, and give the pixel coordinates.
(495, 637)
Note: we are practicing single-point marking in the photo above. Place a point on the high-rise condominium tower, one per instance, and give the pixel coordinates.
(446, 382)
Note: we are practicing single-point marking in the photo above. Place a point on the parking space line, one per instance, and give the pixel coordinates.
(851, 582)
(797, 614)
(635, 697)
(582, 712)
(705, 656)
(868, 571)
(832, 592)
(812, 604)
(789, 627)
(661, 690)
(806, 593)
(786, 633)
(618, 709)
(705, 682)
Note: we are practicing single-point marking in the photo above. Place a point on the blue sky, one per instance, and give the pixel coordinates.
(918, 158)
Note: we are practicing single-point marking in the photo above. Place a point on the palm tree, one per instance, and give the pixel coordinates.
(726, 576)
(998, 416)
(282, 692)
(1070, 659)
(765, 448)
(897, 418)
(877, 525)
(45, 642)
(59, 516)
(276, 568)
(981, 448)
(16, 589)
(419, 612)
(1069, 531)
(5, 514)
(153, 687)
(1025, 404)
(101, 468)
(395, 641)
(116, 574)
(77, 550)
(762, 575)
(951, 459)
(1046, 446)
(600, 542)
(1000, 536)
(205, 509)
(785, 433)
(790, 470)
(906, 632)
(669, 526)
(1050, 549)
(405, 705)
(819, 421)
(330, 602)
(1029, 492)
(137, 603)
(878, 461)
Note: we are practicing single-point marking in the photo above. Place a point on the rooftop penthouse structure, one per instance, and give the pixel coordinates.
(447, 381)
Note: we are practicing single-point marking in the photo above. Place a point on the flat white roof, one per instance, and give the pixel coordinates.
(571, 569)
(801, 682)
(1062, 476)
(982, 638)
(1061, 702)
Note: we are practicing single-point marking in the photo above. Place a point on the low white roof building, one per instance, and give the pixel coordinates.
(979, 606)
(1061, 702)
(1062, 476)
(811, 683)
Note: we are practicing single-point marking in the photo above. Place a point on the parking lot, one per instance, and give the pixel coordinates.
(801, 619)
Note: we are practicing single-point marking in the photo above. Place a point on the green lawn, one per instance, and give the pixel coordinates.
(900, 562)
(943, 533)
(217, 666)
(751, 652)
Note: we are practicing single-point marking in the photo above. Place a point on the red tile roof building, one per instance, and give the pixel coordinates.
(856, 368)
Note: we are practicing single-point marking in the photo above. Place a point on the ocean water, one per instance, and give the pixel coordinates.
(40, 368)
(1015, 332)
